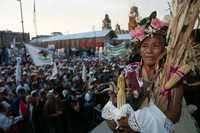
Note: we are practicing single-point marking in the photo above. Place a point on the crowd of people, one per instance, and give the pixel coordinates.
(73, 94)
(55, 98)
(67, 96)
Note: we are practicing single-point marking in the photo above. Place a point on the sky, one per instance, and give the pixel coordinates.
(73, 16)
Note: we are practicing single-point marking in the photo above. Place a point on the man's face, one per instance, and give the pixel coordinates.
(151, 49)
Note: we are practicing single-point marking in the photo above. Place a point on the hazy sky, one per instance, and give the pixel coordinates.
(73, 16)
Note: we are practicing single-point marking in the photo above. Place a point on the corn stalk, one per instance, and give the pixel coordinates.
(180, 50)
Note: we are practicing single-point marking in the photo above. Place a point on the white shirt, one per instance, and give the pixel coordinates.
(87, 97)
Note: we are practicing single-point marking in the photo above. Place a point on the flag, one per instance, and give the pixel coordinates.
(84, 72)
(18, 70)
(39, 56)
(54, 71)
(13, 43)
(100, 52)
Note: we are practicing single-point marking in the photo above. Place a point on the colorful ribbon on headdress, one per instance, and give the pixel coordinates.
(148, 26)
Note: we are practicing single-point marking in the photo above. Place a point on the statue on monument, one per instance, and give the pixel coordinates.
(117, 29)
(133, 18)
(106, 23)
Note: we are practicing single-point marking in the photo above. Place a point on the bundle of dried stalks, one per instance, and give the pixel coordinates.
(181, 57)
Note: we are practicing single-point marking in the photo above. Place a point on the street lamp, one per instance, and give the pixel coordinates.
(22, 21)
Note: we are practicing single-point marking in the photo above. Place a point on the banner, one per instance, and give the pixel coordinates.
(38, 55)
(119, 50)
(84, 73)
(54, 71)
(18, 70)
(13, 43)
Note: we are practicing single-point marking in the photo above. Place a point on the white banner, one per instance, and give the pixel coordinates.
(39, 56)
(119, 50)
(84, 73)
(18, 70)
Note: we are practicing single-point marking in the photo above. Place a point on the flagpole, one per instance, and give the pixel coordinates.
(22, 20)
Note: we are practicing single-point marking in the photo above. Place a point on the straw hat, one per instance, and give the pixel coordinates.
(34, 93)
(24, 73)
(20, 88)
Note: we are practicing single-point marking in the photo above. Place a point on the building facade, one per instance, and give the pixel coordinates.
(7, 38)
(88, 41)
